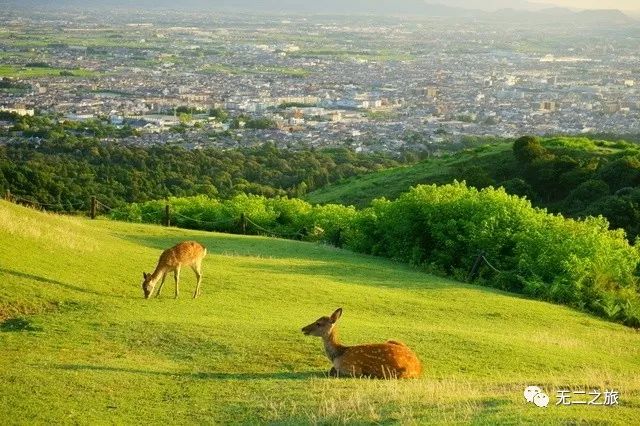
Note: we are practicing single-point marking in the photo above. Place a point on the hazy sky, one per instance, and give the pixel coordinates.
(595, 4)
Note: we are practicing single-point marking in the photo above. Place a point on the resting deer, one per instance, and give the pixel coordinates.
(187, 253)
(381, 360)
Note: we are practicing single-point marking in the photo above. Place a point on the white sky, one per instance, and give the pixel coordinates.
(595, 4)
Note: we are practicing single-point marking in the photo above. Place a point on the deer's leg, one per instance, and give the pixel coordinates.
(161, 284)
(333, 372)
(176, 276)
(197, 268)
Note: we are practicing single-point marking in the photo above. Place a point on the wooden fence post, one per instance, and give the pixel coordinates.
(94, 207)
(243, 223)
(476, 266)
(167, 215)
(7, 195)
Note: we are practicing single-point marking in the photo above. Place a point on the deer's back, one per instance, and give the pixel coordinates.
(383, 360)
(184, 253)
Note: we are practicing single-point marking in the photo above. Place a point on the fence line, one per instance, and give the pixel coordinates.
(482, 258)
(274, 233)
(104, 205)
(96, 205)
(203, 221)
(490, 265)
(18, 198)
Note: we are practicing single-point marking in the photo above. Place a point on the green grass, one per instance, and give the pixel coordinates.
(79, 344)
(382, 115)
(390, 183)
(338, 53)
(265, 70)
(495, 159)
(37, 72)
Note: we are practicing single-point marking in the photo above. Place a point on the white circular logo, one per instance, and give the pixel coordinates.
(530, 392)
(541, 399)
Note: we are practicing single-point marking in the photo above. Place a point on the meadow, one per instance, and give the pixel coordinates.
(79, 344)
(265, 70)
(391, 182)
(38, 72)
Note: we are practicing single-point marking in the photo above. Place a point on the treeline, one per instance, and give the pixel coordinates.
(577, 177)
(443, 229)
(64, 172)
(55, 128)
(581, 178)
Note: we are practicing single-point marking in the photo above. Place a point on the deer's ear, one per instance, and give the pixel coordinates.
(144, 275)
(336, 315)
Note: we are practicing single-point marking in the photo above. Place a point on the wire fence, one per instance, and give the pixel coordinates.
(104, 206)
(204, 222)
(58, 206)
(167, 216)
(289, 235)
(482, 259)
(243, 223)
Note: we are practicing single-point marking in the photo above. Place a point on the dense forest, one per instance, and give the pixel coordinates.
(581, 178)
(61, 164)
(63, 174)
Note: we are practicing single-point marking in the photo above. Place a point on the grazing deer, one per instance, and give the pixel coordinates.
(187, 253)
(381, 360)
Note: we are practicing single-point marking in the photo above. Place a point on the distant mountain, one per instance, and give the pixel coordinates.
(563, 15)
(520, 10)
(493, 5)
(609, 15)
(328, 7)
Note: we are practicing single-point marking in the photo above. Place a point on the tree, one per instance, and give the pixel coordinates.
(621, 173)
(221, 115)
(527, 149)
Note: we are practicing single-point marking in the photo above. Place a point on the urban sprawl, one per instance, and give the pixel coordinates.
(374, 84)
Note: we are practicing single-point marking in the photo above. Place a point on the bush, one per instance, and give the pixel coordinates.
(527, 149)
(578, 263)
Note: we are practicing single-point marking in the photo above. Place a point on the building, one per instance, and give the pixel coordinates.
(548, 106)
(19, 109)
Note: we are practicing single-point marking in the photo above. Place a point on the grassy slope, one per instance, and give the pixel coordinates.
(78, 343)
(391, 183)
(31, 72)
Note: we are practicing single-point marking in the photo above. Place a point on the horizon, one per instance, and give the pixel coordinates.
(628, 5)
(622, 5)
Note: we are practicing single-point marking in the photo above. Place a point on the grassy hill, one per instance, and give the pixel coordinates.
(390, 183)
(567, 163)
(79, 344)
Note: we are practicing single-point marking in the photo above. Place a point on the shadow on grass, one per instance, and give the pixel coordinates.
(17, 325)
(239, 245)
(324, 261)
(284, 375)
(50, 281)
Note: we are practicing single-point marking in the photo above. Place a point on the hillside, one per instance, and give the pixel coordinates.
(79, 344)
(574, 176)
(390, 183)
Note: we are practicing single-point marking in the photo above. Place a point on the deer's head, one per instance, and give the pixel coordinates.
(323, 325)
(147, 287)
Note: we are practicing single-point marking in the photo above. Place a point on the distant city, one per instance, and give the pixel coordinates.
(373, 84)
